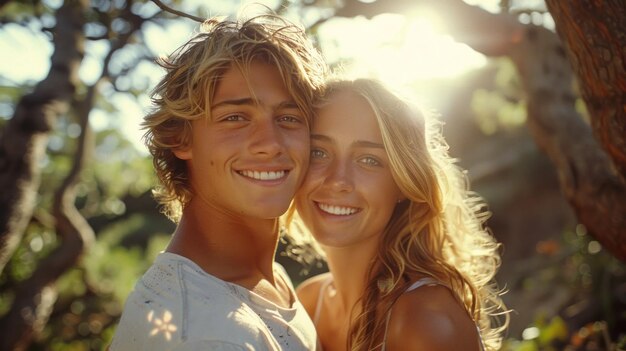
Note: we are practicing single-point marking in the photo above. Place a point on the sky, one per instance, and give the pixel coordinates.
(402, 50)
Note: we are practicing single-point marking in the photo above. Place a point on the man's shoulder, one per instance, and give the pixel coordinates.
(152, 312)
(173, 304)
(174, 283)
(172, 321)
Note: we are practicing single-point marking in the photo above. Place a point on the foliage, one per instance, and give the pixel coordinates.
(91, 295)
(117, 176)
(95, 292)
(594, 281)
(500, 108)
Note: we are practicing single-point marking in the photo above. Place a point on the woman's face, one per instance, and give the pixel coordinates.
(349, 194)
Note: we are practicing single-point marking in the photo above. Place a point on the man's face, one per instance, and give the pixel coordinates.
(250, 156)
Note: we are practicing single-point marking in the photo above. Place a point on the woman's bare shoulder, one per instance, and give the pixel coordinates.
(431, 318)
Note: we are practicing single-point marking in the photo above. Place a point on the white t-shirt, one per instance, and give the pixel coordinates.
(178, 306)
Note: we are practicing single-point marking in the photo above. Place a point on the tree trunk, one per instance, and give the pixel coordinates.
(25, 136)
(593, 32)
(36, 296)
(587, 176)
(23, 145)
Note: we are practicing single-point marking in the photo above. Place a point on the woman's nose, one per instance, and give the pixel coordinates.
(339, 176)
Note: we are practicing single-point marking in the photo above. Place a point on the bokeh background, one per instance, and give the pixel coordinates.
(76, 75)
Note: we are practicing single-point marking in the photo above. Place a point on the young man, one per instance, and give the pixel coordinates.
(230, 141)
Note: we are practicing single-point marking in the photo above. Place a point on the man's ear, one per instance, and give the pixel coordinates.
(183, 150)
(183, 153)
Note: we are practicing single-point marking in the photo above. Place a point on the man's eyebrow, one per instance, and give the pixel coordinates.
(236, 102)
(251, 101)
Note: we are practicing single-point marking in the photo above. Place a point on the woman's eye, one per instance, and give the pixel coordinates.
(316, 153)
(370, 161)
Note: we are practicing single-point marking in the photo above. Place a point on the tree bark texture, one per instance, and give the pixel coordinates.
(36, 296)
(24, 137)
(587, 175)
(23, 146)
(594, 33)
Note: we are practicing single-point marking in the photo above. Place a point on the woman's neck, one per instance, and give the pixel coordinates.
(350, 267)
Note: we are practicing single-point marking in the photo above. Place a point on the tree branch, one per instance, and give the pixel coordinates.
(468, 24)
(26, 134)
(18, 328)
(24, 137)
(176, 12)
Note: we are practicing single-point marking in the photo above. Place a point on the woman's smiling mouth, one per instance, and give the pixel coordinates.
(337, 210)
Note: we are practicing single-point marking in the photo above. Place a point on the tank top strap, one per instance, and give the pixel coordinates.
(417, 284)
(422, 282)
(320, 298)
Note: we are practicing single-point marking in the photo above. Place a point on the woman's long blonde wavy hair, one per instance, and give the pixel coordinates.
(438, 231)
(193, 73)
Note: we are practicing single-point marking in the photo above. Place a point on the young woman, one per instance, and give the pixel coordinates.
(411, 266)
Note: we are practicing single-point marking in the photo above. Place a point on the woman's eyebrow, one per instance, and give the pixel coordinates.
(365, 143)
(321, 137)
(357, 143)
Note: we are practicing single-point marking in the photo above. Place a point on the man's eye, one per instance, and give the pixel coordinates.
(234, 118)
(289, 119)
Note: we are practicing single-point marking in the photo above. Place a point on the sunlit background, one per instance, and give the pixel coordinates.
(547, 256)
(410, 50)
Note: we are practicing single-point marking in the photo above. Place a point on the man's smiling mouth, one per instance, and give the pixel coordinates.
(263, 175)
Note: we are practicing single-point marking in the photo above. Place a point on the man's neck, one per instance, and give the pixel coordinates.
(232, 248)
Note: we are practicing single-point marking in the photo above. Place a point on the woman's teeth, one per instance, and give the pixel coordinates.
(337, 210)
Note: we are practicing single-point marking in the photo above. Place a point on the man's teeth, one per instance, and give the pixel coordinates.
(263, 175)
(337, 210)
